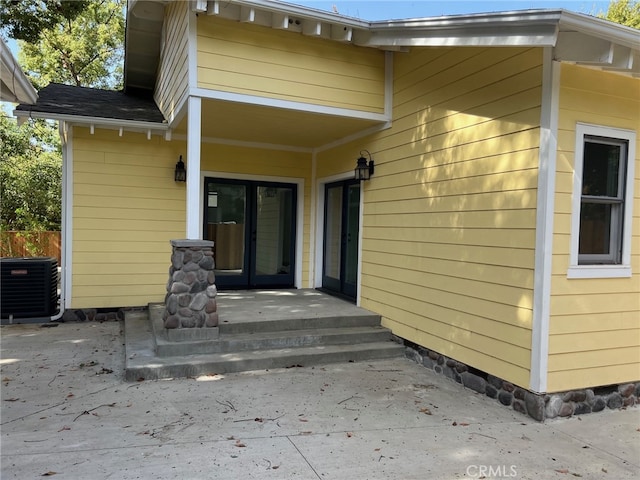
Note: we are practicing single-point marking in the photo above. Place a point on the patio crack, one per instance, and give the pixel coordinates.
(305, 458)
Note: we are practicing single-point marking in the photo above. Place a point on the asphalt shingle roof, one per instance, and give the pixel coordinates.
(58, 99)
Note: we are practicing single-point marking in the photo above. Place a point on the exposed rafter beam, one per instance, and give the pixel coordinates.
(279, 21)
(99, 122)
(247, 14)
(341, 33)
(312, 28)
(213, 7)
(199, 6)
(633, 67)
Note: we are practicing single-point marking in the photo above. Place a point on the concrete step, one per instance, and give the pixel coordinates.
(272, 343)
(140, 367)
(279, 325)
(274, 340)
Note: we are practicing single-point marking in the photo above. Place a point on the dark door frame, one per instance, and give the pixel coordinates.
(249, 277)
(340, 286)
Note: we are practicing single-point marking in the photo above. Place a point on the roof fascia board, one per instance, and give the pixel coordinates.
(497, 19)
(482, 37)
(13, 76)
(620, 34)
(99, 121)
(531, 28)
(460, 29)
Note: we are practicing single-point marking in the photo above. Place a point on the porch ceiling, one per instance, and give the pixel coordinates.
(238, 122)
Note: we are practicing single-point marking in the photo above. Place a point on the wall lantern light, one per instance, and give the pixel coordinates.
(364, 169)
(180, 174)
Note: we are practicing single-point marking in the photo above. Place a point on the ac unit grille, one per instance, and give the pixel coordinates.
(28, 287)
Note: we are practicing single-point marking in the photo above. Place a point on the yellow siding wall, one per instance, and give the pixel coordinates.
(265, 62)
(173, 80)
(594, 328)
(449, 216)
(126, 209)
(257, 162)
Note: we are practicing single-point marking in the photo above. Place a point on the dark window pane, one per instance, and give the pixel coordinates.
(600, 170)
(226, 210)
(595, 228)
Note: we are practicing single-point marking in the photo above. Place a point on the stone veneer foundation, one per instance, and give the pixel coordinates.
(191, 291)
(538, 406)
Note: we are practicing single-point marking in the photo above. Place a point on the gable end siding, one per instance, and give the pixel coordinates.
(172, 85)
(265, 62)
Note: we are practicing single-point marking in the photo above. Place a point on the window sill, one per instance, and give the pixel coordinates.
(599, 271)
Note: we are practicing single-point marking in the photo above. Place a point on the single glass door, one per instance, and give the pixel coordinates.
(273, 236)
(226, 218)
(252, 225)
(341, 232)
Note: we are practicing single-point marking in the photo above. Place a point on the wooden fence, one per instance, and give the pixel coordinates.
(30, 244)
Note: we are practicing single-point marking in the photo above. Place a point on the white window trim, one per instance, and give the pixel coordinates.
(623, 269)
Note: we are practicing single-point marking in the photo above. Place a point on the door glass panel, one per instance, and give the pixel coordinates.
(273, 232)
(351, 253)
(226, 219)
(333, 232)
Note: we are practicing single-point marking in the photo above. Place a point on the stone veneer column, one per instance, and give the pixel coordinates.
(191, 291)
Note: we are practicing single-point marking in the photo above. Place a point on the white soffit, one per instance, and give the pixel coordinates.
(598, 44)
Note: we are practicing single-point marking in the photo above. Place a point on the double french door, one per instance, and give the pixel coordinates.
(253, 227)
(341, 232)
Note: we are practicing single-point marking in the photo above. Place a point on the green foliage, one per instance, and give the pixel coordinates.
(25, 20)
(86, 50)
(624, 12)
(30, 175)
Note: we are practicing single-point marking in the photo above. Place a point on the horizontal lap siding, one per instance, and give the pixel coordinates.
(272, 163)
(126, 209)
(449, 215)
(264, 62)
(172, 82)
(594, 327)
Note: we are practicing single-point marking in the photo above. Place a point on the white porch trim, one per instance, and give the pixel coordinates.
(287, 104)
(66, 135)
(247, 144)
(194, 186)
(313, 245)
(544, 222)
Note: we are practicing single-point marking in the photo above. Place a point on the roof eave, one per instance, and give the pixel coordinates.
(97, 121)
(523, 28)
(14, 78)
(606, 30)
(304, 12)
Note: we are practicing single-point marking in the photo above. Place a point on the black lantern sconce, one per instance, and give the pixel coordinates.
(364, 169)
(180, 175)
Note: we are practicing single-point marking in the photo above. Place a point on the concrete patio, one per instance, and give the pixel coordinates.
(67, 413)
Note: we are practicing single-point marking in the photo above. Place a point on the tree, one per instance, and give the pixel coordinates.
(30, 175)
(25, 20)
(78, 42)
(84, 50)
(624, 12)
